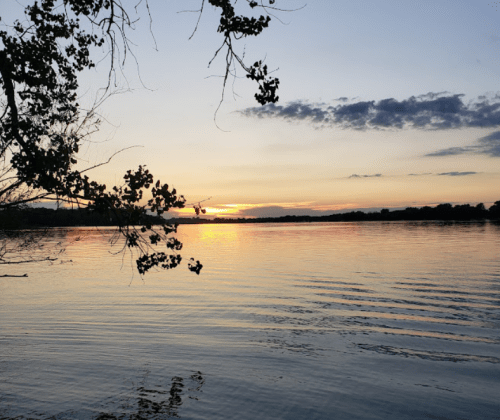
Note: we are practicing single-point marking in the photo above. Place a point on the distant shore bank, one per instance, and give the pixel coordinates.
(44, 217)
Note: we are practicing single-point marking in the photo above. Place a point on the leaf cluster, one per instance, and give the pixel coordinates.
(235, 27)
(267, 85)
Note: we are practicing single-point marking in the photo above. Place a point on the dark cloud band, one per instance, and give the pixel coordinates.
(431, 111)
(488, 145)
(457, 173)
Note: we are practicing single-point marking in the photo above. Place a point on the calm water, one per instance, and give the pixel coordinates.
(286, 321)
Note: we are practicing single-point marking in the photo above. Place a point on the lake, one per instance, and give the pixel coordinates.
(372, 320)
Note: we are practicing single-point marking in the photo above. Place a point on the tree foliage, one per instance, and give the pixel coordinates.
(42, 126)
(233, 28)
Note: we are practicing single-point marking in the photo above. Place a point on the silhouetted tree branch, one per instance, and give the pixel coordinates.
(42, 126)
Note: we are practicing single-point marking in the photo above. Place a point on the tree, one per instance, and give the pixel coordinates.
(42, 126)
(494, 210)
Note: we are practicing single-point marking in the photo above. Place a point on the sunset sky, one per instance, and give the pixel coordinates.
(386, 103)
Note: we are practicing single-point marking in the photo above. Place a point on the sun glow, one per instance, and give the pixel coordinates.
(245, 210)
(224, 210)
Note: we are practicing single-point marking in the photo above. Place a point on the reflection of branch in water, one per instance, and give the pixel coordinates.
(27, 246)
(153, 404)
(198, 379)
(148, 405)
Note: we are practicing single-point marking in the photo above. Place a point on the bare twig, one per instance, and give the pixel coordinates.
(109, 160)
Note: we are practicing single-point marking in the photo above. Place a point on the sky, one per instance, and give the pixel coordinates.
(383, 104)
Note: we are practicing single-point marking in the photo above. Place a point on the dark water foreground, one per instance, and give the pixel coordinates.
(368, 320)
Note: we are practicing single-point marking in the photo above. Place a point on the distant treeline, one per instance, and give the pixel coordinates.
(28, 217)
(43, 217)
(440, 212)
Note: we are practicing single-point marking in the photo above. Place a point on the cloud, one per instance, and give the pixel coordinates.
(452, 151)
(294, 111)
(278, 211)
(432, 111)
(364, 176)
(488, 145)
(457, 173)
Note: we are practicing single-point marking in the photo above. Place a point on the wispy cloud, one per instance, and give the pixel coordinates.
(488, 145)
(435, 111)
(278, 211)
(365, 176)
(457, 173)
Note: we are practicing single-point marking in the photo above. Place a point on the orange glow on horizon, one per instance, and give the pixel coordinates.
(237, 210)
